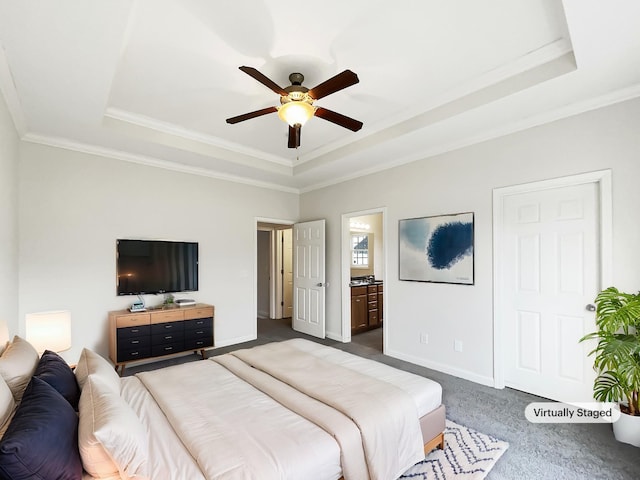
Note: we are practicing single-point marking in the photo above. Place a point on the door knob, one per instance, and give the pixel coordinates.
(320, 284)
(591, 307)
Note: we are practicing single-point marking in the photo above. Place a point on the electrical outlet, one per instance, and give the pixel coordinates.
(457, 345)
(424, 338)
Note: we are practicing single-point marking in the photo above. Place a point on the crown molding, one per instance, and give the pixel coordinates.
(72, 145)
(177, 131)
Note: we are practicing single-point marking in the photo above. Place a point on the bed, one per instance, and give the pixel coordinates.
(293, 409)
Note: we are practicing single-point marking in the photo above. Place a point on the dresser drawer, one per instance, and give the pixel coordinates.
(199, 333)
(167, 316)
(198, 343)
(167, 349)
(166, 327)
(132, 320)
(134, 342)
(125, 355)
(198, 323)
(130, 332)
(200, 312)
(167, 337)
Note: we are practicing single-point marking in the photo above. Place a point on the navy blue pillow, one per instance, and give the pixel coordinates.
(56, 372)
(42, 439)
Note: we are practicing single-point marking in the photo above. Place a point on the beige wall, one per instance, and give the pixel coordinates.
(74, 206)
(463, 181)
(9, 154)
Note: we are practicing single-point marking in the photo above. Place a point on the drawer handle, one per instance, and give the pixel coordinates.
(135, 342)
(199, 332)
(200, 322)
(135, 330)
(199, 342)
(168, 326)
(168, 337)
(133, 354)
(166, 349)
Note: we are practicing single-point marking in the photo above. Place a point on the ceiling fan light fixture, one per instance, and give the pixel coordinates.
(296, 112)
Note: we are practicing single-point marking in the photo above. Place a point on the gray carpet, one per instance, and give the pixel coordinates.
(536, 451)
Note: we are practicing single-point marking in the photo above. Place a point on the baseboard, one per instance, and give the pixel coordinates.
(441, 367)
(234, 341)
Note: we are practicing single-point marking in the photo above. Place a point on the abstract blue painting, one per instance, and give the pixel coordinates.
(437, 249)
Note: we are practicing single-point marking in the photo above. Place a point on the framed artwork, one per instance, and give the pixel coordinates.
(437, 249)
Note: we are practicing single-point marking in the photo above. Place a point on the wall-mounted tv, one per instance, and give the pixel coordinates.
(156, 266)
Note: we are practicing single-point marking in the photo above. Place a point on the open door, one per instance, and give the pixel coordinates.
(309, 278)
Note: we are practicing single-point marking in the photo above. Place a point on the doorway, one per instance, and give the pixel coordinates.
(552, 255)
(274, 270)
(364, 262)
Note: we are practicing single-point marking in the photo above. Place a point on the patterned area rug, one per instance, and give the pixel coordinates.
(468, 455)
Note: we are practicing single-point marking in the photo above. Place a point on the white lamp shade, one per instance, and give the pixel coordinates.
(296, 112)
(49, 330)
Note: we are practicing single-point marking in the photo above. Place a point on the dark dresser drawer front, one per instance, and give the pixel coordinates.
(167, 327)
(167, 337)
(198, 323)
(198, 343)
(167, 348)
(131, 332)
(133, 342)
(198, 333)
(128, 354)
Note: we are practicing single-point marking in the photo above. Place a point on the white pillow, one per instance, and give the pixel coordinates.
(111, 437)
(17, 364)
(7, 406)
(90, 363)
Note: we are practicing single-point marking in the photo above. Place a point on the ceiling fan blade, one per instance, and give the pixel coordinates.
(294, 136)
(267, 82)
(247, 116)
(338, 119)
(334, 84)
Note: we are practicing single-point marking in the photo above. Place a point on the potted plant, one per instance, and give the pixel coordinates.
(617, 359)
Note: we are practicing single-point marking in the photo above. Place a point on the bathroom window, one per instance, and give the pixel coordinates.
(360, 250)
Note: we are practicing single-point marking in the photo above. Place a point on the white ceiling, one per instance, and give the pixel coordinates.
(152, 81)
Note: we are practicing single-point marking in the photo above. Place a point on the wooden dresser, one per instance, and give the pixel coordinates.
(141, 335)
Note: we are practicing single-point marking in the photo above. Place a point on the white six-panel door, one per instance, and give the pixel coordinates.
(309, 278)
(549, 274)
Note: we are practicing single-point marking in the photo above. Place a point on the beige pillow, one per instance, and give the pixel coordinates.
(90, 363)
(111, 437)
(7, 406)
(17, 364)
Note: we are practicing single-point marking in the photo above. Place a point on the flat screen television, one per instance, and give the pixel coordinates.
(156, 266)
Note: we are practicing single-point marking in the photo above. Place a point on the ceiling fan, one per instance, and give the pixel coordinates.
(296, 102)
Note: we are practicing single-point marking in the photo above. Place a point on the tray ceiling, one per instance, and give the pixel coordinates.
(152, 81)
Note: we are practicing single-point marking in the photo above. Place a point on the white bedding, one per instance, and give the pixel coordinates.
(199, 432)
(230, 427)
(385, 416)
(426, 393)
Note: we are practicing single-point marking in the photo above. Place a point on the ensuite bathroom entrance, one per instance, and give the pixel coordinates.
(364, 273)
